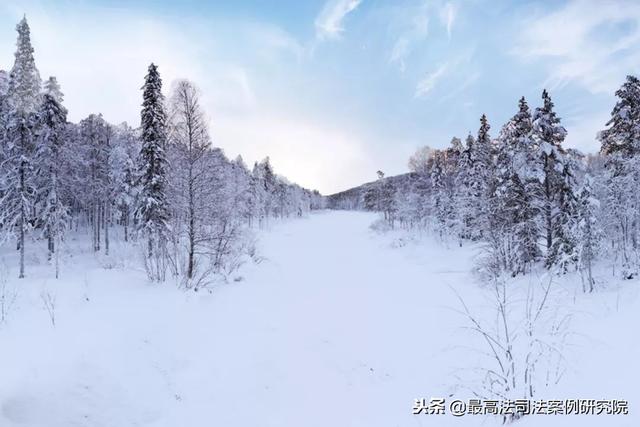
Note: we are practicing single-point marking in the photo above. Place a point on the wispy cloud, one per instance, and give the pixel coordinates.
(589, 42)
(430, 80)
(414, 27)
(329, 23)
(415, 31)
(448, 14)
(466, 82)
(460, 71)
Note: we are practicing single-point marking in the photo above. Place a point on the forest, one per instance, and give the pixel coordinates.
(162, 186)
(530, 200)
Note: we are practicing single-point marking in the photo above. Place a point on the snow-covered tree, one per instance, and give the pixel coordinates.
(621, 148)
(622, 135)
(95, 135)
(152, 208)
(189, 139)
(18, 187)
(589, 232)
(53, 215)
(547, 135)
(52, 88)
(514, 214)
(19, 118)
(25, 86)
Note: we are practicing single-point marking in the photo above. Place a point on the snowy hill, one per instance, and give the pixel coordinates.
(353, 198)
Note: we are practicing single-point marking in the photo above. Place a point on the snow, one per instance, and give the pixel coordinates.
(338, 326)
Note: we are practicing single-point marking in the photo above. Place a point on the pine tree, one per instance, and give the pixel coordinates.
(464, 193)
(513, 211)
(19, 119)
(54, 213)
(440, 206)
(623, 133)
(52, 88)
(564, 251)
(152, 207)
(25, 85)
(18, 186)
(588, 230)
(548, 135)
(480, 185)
(620, 146)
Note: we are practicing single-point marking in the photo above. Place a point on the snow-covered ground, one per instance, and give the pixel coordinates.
(338, 326)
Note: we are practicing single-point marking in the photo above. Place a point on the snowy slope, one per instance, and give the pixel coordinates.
(339, 326)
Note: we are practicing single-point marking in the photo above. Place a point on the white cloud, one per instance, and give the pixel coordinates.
(430, 80)
(589, 42)
(448, 16)
(329, 21)
(413, 23)
(461, 67)
(415, 30)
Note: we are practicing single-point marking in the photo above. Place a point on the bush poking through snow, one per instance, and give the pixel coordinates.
(380, 226)
(521, 348)
(49, 303)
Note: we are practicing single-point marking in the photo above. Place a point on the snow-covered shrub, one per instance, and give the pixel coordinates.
(380, 226)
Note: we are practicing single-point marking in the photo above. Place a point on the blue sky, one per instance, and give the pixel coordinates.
(334, 90)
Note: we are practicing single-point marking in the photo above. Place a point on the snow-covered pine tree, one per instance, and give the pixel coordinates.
(53, 214)
(464, 195)
(513, 211)
(621, 147)
(52, 88)
(548, 134)
(439, 205)
(564, 251)
(622, 135)
(19, 117)
(25, 85)
(451, 160)
(480, 180)
(589, 233)
(18, 186)
(152, 210)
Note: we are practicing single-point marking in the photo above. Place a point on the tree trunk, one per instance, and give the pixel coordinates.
(107, 220)
(23, 220)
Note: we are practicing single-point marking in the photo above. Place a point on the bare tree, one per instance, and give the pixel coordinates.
(189, 140)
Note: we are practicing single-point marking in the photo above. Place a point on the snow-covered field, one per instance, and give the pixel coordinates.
(338, 326)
